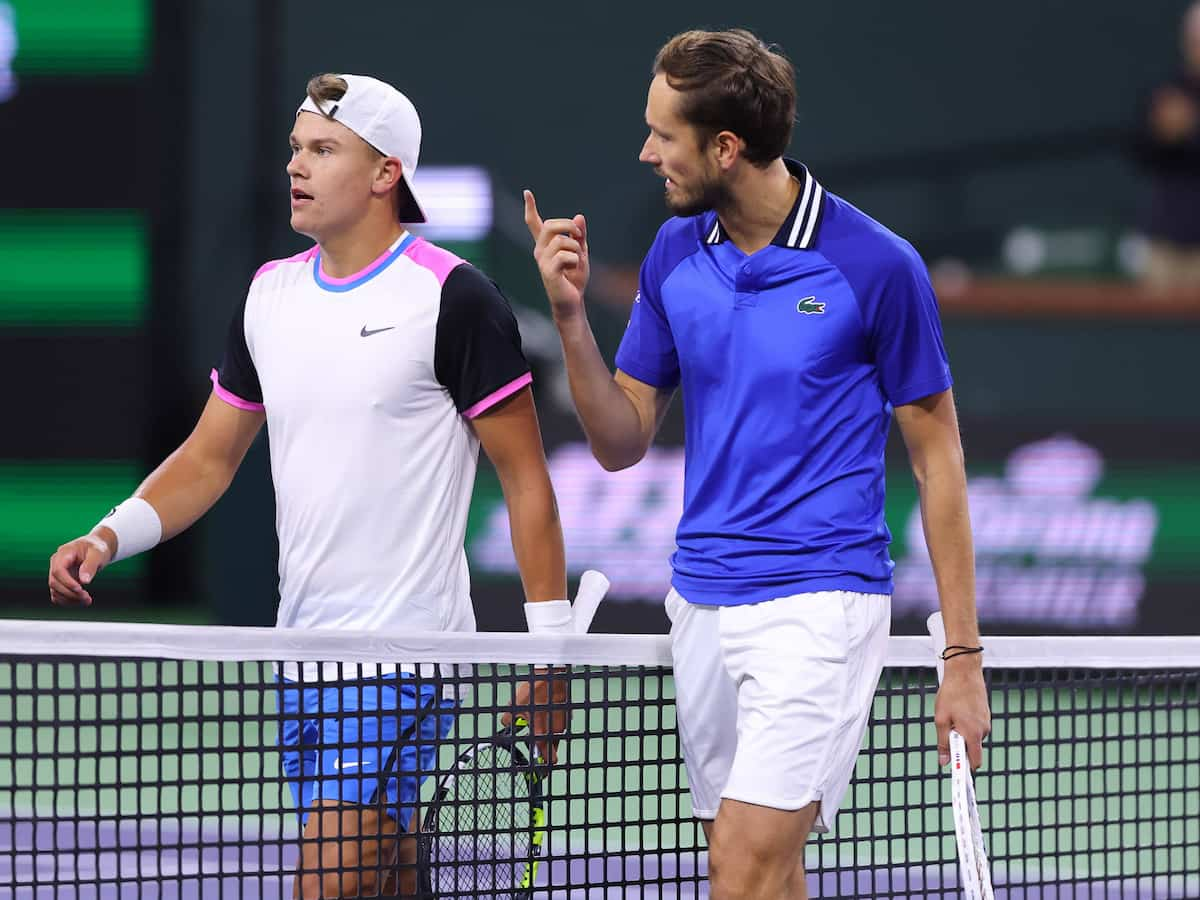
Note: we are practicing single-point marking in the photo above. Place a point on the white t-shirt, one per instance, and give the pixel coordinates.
(369, 383)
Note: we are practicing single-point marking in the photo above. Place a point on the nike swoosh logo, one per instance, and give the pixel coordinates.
(338, 764)
(365, 333)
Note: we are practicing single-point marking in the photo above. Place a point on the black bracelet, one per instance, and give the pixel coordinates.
(960, 650)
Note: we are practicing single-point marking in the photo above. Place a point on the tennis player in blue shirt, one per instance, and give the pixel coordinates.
(794, 326)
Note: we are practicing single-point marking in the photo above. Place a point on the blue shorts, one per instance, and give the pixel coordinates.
(369, 742)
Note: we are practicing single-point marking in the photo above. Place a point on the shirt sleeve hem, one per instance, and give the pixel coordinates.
(496, 396)
(911, 393)
(231, 398)
(654, 379)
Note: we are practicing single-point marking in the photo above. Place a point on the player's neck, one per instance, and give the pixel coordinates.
(759, 203)
(345, 254)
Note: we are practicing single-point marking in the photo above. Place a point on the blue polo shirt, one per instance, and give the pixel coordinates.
(790, 361)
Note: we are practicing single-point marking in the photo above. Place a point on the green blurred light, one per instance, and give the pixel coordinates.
(67, 37)
(45, 504)
(72, 268)
(1174, 490)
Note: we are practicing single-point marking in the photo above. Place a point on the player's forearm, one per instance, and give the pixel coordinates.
(537, 539)
(942, 485)
(610, 420)
(184, 487)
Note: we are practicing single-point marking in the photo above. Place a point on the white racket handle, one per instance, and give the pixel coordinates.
(937, 633)
(968, 832)
(592, 588)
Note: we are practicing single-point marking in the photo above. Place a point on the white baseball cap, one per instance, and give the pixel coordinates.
(385, 119)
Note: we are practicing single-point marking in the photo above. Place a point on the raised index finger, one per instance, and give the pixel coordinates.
(533, 221)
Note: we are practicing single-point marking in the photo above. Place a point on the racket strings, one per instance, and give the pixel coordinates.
(485, 828)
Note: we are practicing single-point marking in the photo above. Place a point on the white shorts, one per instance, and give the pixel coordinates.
(773, 698)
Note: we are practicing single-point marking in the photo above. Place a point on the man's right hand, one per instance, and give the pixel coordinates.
(76, 563)
(542, 702)
(560, 248)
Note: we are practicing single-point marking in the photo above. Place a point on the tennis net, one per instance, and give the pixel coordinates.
(145, 761)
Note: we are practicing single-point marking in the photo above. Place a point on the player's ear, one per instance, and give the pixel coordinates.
(387, 175)
(728, 147)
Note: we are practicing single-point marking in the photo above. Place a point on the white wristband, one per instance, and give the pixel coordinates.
(549, 617)
(136, 525)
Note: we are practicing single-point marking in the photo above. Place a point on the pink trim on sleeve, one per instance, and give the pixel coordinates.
(496, 396)
(303, 256)
(231, 398)
(429, 256)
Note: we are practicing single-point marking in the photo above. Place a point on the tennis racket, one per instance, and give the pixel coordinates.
(485, 832)
(968, 833)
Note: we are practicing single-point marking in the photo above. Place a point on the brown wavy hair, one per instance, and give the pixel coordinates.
(732, 81)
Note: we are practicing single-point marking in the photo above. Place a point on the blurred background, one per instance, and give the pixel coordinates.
(1044, 158)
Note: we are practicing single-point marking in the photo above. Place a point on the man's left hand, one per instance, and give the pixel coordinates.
(962, 705)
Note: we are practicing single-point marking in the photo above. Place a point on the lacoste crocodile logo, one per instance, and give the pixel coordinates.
(811, 306)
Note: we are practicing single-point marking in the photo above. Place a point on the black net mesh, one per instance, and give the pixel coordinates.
(127, 775)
